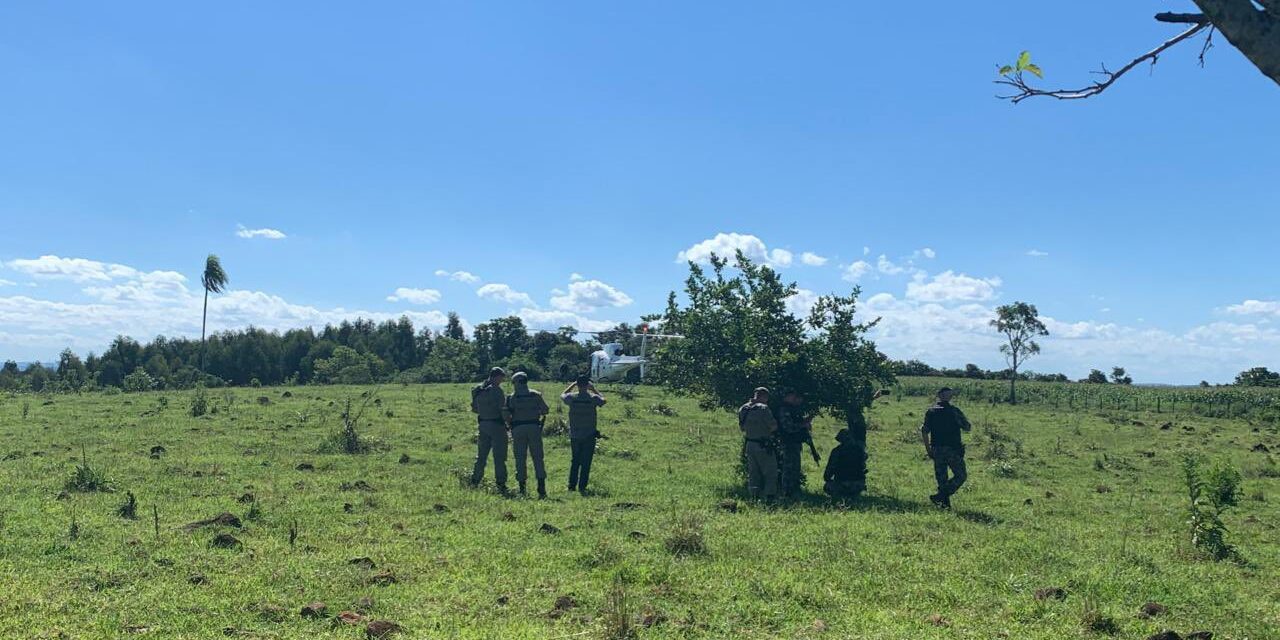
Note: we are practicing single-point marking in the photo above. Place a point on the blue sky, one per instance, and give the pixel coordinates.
(527, 142)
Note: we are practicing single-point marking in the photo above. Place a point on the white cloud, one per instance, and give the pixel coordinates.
(801, 303)
(588, 295)
(52, 267)
(6, 283)
(458, 276)
(574, 277)
(812, 259)
(147, 304)
(726, 245)
(866, 251)
(951, 286)
(539, 319)
(887, 267)
(855, 271)
(414, 296)
(1036, 253)
(926, 253)
(264, 233)
(1255, 308)
(504, 293)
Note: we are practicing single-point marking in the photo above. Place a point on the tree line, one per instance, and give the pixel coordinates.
(351, 352)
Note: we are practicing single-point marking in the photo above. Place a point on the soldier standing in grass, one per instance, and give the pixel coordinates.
(759, 448)
(940, 433)
(487, 401)
(582, 430)
(525, 411)
(794, 431)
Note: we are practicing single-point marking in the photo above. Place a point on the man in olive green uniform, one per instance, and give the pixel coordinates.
(793, 434)
(940, 432)
(758, 427)
(582, 430)
(846, 473)
(525, 411)
(487, 401)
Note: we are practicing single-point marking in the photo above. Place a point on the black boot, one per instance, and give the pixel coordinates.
(939, 500)
(542, 488)
(522, 488)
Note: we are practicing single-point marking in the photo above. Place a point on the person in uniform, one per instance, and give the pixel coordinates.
(758, 428)
(583, 434)
(487, 401)
(940, 433)
(525, 411)
(793, 434)
(846, 473)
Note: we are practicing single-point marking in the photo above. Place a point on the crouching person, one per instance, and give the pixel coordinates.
(846, 473)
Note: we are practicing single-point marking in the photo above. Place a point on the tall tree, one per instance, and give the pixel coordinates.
(454, 328)
(1020, 324)
(214, 280)
(1119, 376)
(1251, 26)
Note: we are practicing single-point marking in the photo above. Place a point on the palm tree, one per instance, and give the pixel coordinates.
(215, 280)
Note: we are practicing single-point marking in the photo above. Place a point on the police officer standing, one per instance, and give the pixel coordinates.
(487, 401)
(940, 432)
(794, 432)
(758, 427)
(525, 411)
(582, 430)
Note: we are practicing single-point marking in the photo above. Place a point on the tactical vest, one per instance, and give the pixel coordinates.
(582, 415)
(525, 407)
(757, 421)
(486, 401)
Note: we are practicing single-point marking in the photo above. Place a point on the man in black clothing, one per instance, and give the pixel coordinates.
(940, 433)
(846, 473)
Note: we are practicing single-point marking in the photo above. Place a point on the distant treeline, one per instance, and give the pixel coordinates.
(355, 352)
(974, 372)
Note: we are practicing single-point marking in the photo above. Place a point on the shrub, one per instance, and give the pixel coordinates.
(139, 381)
(199, 402)
(86, 478)
(1210, 494)
(686, 537)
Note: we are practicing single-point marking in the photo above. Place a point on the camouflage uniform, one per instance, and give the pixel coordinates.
(944, 422)
(758, 427)
(487, 402)
(582, 435)
(846, 472)
(524, 410)
(793, 433)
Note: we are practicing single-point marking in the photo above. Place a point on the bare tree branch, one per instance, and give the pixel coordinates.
(1182, 18)
(1024, 90)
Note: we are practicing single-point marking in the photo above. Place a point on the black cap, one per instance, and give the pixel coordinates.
(946, 390)
(497, 371)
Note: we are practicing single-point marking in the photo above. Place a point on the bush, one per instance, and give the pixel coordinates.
(199, 402)
(686, 537)
(86, 478)
(139, 381)
(1210, 494)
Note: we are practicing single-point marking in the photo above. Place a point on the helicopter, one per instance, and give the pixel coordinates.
(611, 364)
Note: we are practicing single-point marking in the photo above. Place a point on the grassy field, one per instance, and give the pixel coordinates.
(1090, 502)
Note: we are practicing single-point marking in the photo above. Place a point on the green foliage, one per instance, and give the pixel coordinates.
(1020, 325)
(1096, 376)
(1258, 377)
(685, 537)
(1210, 493)
(1021, 65)
(1118, 376)
(199, 402)
(347, 366)
(139, 381)
(451, 360)
(214, 279)
(85, 478)
(739, 334)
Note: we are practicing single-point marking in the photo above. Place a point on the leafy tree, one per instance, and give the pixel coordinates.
(451, 360)
(1020, 324)
(453, 329)
(913, 368)
(214, 280)
(347, 366)
(1258, 377)
(499, 339)
(1095, 377)
(139, 381)
(71, 371)
(974, 371)
(1249, 25)
(1118, 376)
(737, 333)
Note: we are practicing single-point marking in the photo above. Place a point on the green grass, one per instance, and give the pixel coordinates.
(477, 565)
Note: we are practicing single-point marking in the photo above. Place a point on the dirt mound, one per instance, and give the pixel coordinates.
(1151, 610)
(224, 519)
(382, 629)
(549, 529)
(1051, 593)
(225, 541)
(362, 562)
(314, 610)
